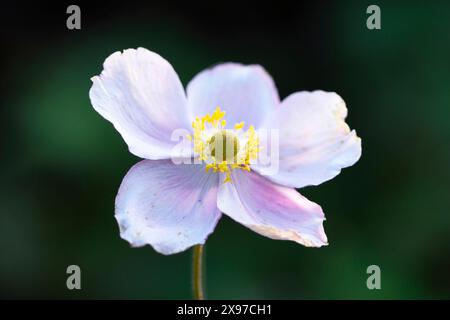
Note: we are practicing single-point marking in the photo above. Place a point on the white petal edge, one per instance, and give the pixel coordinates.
(141, 95)
(315, 143)
(170, 207)
(272, 210)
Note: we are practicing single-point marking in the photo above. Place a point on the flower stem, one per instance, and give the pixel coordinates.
(197, 272)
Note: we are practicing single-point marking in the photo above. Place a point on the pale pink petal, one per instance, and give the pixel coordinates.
(315, 143)
(140, 93)
(245, 93)
(170, 207)
(272, 210)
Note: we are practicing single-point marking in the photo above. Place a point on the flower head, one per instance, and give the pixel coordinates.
(224, 111)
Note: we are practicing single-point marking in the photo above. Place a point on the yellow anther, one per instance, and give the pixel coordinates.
(239, 125)
(227, 177)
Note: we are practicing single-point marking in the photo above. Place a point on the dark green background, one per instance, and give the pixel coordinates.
(61, 163)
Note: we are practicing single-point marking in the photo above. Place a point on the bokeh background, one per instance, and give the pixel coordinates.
(61, 163)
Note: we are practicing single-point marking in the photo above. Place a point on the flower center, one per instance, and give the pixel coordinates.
(224, 146)
(224, 150)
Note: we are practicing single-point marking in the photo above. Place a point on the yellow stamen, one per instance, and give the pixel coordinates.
(239, 125)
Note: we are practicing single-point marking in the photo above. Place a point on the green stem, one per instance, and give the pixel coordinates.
(197, 272)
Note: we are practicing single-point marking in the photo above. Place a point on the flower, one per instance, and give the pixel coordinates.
(175, 206)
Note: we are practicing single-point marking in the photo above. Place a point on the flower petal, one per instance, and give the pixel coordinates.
(315, 143)
(245, 93)
(171, 207)
(272, 210)
(140, 93)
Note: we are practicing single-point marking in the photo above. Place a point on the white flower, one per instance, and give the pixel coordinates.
(173, 207)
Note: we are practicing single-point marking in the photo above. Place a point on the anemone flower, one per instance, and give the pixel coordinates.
(172, 200)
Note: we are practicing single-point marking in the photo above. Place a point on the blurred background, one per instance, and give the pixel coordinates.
(61, 164)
